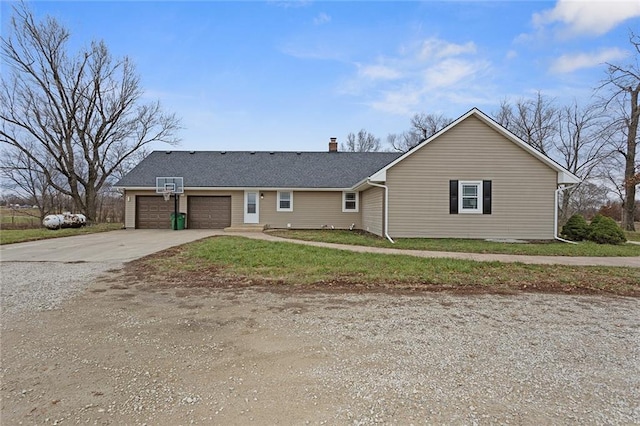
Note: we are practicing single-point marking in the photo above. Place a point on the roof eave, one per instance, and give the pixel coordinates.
(566, 178)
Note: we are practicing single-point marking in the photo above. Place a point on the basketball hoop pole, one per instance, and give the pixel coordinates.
(175, 211)
(168, 186)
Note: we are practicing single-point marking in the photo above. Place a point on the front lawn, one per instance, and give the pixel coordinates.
(235, 261)
(551, 248)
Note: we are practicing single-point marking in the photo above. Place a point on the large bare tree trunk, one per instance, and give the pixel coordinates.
(625, 82)
(630, 176)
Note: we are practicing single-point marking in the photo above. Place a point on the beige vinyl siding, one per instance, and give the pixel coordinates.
(129, 209)
(311, 210)
(372, 207)
(522, 187)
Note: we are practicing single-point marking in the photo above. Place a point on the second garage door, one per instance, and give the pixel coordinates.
(209, 212)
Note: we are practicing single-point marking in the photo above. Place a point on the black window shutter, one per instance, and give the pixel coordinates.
(486, 197)
(453, 197)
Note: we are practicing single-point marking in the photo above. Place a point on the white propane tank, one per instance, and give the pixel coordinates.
(74, 220)
(65, 220)
(53, 221)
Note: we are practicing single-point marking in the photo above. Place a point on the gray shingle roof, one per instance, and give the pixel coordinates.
(258, 169)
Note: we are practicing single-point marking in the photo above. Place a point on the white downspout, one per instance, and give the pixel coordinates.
(386, 208)
(555, 217)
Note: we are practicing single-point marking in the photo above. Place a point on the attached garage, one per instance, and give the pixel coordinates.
(153, 212)
(208, 212)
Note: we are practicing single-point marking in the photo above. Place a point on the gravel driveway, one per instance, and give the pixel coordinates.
(125, 351)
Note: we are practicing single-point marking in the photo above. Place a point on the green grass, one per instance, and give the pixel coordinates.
(10, 236)
(298, 265)
(19, 217)
(551, 248)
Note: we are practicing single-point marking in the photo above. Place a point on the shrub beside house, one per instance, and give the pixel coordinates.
(602, 230)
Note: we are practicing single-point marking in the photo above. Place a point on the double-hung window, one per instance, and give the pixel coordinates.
(349, 202)
(470, 197)
(285, 201)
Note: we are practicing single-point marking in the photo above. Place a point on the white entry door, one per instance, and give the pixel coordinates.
(251, 207)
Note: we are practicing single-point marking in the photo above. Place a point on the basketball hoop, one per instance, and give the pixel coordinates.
(167, 186)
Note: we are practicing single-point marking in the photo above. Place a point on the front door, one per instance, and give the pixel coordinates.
(251, 207)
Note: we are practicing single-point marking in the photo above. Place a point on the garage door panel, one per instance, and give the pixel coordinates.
(153, 212)
(209, 212)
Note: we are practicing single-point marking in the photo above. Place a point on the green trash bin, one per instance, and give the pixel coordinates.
(180, 222)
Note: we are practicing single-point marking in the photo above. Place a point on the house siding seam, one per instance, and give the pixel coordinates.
(522, 187)
(373, 210)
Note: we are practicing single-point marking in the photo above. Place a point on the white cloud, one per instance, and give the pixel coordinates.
(322, 18)
(593, 17)
(571, 62)
(436, 48)
(401, 101)
(420, 74)
(379, 72)
(449, 72)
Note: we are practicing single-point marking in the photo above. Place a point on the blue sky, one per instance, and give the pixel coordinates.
(288, 75)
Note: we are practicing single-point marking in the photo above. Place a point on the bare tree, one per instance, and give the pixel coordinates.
(581, 149)
(535, 121)
(423, 126)
(504, 115)
(83, 112)
(405, 141)
(22, 176)
(624, 84)
(362, 142)
(587, 198)
(427, 125)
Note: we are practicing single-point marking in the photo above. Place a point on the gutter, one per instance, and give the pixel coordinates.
(386, 208)
(555, 217)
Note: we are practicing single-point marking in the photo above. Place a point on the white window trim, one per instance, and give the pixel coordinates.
(478, 184)
(344, 202)
(290, 209)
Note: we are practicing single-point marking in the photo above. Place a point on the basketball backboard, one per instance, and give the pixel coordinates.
(172, 184)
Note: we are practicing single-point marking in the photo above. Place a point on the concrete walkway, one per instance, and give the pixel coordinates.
(482, 257)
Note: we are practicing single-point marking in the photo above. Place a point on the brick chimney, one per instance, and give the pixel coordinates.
(333, 145)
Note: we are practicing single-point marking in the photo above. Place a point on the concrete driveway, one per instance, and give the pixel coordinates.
(114, 246)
